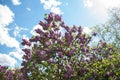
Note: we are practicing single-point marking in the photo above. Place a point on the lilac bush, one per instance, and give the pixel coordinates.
(60, 52)
(60, 56)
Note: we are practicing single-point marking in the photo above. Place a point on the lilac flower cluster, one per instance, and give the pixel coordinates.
(8, 74)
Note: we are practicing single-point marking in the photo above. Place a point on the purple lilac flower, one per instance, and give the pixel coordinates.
(27, 51)
(25, 42)
(20, 76)
(58, 18)
(74, 29)
(39, 31)
(26, 57)
(3, 68)
(9, 75)
(54, 25)
(41, 53)
(35, 39)
(69, 72)
(82, 70)
(51, 61)
(81, 45)
(46, 26)
(49, 19)
(68, 66)
(79, 30)
(48, 50)
(67, 28)
(60, 41)
(67, 75)
(52, 34)
(41, 24)
(62, 24)
(47, 34)
(72, 52)
(68, 37)
(60, 54)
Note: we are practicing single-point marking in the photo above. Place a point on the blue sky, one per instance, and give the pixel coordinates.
(18, 19)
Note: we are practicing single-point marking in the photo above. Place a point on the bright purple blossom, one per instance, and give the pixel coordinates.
(68, 37)
(72, 52)
(67, 28)
(74, 29)
(39, 31)
(62, 24)
(79, 30)
(58, 18)
(50, 17)
(54, 25)
(41, 24)
(41, 53)
(68, 66)
(26, 51)
(69, 72)
(26, 42)
(35, 39)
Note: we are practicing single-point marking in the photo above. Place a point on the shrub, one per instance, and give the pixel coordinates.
(60, 52)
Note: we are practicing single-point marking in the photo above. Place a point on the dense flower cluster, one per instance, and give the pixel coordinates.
(60, 52)
(10, 74)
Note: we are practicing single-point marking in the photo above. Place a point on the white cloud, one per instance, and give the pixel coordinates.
(56, 10)
(18, 30)
(16, 2)
(36, 27)
(52, 5)
(28, 9)
(25, 37)
(6, 39)
(6, 15)
(100, 8)
(87, 30)
(17, 54)
(88, 3)
(7, 60)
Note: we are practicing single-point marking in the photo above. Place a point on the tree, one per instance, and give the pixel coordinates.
(110, 31)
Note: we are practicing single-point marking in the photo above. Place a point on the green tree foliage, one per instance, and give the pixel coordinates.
(110, 31)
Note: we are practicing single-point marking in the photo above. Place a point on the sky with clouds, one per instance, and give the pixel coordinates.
(19, 18)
